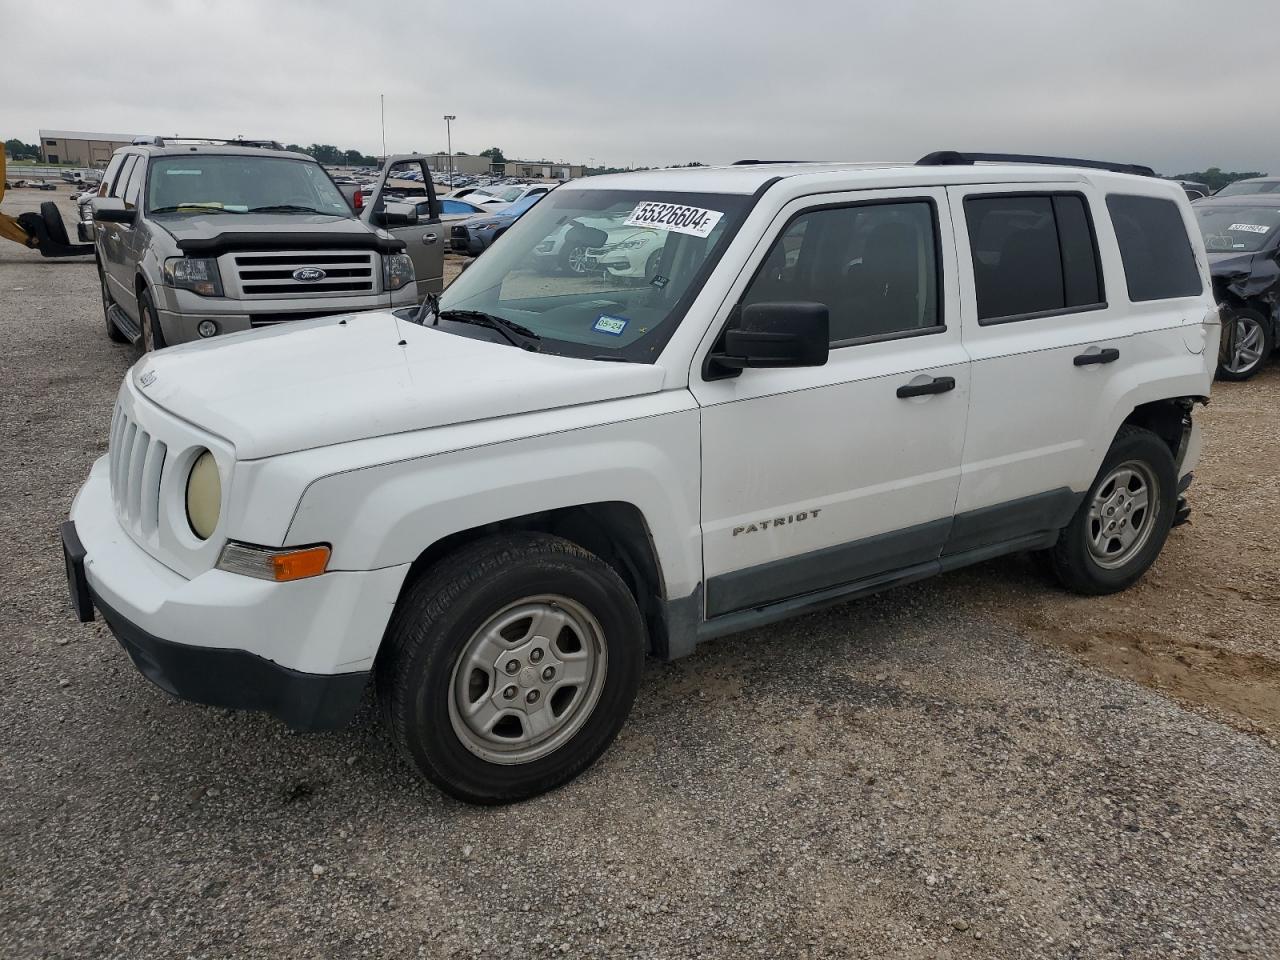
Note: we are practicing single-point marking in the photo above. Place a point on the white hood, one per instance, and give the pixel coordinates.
(317, 382)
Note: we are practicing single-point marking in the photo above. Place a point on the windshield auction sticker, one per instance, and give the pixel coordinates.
(694, 221)
(1248, 228)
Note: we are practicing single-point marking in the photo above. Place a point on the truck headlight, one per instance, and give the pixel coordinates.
(204, 496)
(197, 275)
(397, 271)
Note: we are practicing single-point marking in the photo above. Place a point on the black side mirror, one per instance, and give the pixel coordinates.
(111, 210)
(776, 335)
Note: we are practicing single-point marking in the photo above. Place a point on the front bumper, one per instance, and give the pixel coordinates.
(301, 651)
(181, 312)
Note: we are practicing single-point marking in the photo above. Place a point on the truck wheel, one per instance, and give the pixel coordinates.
(52, 218)
(509, 667)
(1124, 520)
(114, 333)
(152, 334)
(1250, 344)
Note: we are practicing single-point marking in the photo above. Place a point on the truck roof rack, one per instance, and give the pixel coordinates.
(213, 141)
(952, 158)
(752, 163)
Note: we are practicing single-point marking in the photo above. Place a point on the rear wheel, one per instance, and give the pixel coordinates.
(509, 667)
(1249, 344)
(114, 333)
(1124, 520)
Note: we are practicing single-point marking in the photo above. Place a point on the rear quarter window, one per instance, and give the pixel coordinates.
(1159, 261)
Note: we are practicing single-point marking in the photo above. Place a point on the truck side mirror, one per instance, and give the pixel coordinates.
(111, 210)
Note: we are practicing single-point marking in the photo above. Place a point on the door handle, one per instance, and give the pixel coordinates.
(429, 238)
(1109, 355)
(936, 385)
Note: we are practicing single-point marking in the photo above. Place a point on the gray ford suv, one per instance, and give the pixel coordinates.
(195, 239)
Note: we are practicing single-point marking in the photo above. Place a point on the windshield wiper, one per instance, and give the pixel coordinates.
(514, 333)
(289, 208)
(194, 208)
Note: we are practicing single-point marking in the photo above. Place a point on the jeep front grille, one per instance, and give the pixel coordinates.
(136, 461)
(273, 274)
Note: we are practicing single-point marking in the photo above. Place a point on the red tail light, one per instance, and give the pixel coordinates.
(359, 201)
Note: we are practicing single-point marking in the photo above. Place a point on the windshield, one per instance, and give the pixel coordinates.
(241, 184)
(1237, 229)
(1241, 187)
(601, 272)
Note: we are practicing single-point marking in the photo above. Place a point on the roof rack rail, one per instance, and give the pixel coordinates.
(216, 141)
(952, 158)
(752, 163)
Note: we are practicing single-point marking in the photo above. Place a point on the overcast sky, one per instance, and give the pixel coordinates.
(1172, 84)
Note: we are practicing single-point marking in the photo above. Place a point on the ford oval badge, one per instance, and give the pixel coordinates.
(309, 274)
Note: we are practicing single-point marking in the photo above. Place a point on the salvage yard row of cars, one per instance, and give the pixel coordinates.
(488, 503)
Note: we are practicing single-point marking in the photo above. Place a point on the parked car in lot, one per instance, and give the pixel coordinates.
(199, 239)
(510, 193)
(451, 209)
(850, 377)
(1242, 238)
(474, 234)
(1253, 185)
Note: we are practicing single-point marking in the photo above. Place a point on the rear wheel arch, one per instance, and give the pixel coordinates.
(1168, 419)
(615, 531)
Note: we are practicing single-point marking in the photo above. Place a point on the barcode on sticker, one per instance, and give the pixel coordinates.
(695, 221)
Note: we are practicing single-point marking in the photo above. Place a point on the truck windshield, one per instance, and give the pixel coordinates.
(1242, 229)
(229, 183)
(601, 273)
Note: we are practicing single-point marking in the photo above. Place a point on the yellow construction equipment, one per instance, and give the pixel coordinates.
(43, 231)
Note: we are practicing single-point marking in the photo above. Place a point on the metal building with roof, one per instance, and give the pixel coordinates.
(80, 148)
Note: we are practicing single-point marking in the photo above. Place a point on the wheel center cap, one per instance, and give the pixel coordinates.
(529, 676)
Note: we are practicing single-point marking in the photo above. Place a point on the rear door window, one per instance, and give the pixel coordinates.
(117, 189)
(1159, 261)
(1033, 254)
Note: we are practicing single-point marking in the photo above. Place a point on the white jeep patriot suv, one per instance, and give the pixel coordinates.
(837, 378)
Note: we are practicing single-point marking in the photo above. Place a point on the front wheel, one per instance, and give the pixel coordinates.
(1124, 520)
(510, 667)
(152, 334)
(1249, 343)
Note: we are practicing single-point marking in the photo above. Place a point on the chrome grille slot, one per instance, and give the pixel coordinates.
(273, 274)
(135, 461)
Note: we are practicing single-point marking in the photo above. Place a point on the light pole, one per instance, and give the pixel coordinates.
(448, 135)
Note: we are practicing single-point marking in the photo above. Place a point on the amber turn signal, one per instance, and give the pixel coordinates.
(273, 563)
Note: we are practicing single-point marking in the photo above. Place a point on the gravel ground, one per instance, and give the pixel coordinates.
(938, 772)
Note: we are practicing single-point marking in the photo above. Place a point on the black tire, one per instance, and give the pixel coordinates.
(1240, 323)
(1072, 560)
(114, 333)
(152, 332)
(436, 618)
(53, 224)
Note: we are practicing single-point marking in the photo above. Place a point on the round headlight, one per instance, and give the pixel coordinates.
(204, 496)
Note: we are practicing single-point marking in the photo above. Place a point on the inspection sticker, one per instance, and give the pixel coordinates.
(694, 221)
(1248, 228)
(610, 325)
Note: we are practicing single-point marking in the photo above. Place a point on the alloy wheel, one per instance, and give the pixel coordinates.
(1123, 514)
(528, 679)
(1250, 340)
